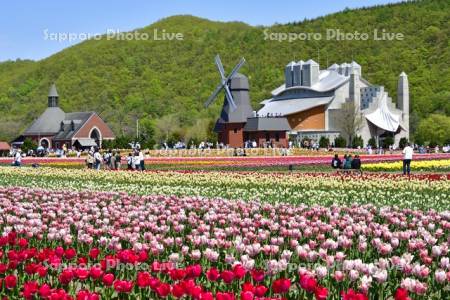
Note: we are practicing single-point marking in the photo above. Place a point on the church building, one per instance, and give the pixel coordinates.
(56, 128)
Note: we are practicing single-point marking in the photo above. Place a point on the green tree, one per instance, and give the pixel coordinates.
(340, 142)
(434, 129)
(357, 142)
(28, 144)
(402, 143)
(324, 142)
(388, 141)
(372, 142)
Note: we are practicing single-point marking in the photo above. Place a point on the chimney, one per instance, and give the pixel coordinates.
(297, 79)
(310, 73)
(289, 74)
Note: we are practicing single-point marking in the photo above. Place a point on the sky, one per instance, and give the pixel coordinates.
(26, 26)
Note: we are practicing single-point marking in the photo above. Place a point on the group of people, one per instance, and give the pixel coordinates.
(136, 160)
(348, 163)
(112, 160)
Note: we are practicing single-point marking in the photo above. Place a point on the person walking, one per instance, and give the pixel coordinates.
(130, 161)
(407, 158)
(90, 160)
(17, 158)
(141, 160)
(97, 159)
(118, 160)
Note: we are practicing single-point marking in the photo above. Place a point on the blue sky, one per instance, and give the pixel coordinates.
(23, 23)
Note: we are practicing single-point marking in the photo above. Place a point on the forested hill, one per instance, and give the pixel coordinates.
(166, 82)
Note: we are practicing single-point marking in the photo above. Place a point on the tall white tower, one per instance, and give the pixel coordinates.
(403, 101)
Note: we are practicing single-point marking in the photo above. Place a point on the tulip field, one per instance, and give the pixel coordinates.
(72, 233)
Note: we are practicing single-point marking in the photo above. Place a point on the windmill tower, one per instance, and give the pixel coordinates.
(236, 107)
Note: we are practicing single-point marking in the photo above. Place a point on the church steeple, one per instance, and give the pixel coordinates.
(53, 98)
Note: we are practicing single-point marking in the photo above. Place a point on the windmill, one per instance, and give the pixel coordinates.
(236, 105)
(225, 83)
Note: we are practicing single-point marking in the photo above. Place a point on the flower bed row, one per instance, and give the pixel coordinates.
(424, 165)
(64, 244)
(418, 192)
(261, 161)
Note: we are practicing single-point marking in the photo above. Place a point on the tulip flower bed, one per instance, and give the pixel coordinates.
(423, 165)
(417, 192)
(92, 245)
(256, 162)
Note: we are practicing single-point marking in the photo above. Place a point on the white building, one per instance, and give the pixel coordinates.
(311, 99)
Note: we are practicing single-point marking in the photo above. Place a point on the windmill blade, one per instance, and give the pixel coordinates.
(220, 66)
(214, 95)
(236, 68)
(230, 98)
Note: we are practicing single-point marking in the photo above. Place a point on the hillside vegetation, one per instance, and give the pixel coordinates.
(164, 83)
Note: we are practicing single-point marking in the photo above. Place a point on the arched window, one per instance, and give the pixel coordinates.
(96, 136)
(45, 143)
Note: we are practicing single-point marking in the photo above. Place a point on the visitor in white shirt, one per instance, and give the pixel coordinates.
(407, 157)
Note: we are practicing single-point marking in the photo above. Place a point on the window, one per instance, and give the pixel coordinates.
(235, 130)
(277, 137)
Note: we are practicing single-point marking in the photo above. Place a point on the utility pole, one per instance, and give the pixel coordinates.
(137, 129)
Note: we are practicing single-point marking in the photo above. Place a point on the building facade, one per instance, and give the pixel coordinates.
(56, 128)
(313, 102)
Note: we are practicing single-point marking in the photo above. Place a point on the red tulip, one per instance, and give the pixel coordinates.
(23, 243)
(163, 290)
(154, 283)
(108, 279)
(224, 296)
(142, 256)
(257, 275)
(308, 283)
(352, 295)
(321, 293)
(86, 295)
(193, 271)
(44, 291)
(70, 253)
(29, 289)
(3, 268)
(177, 274)
(401, 294)
(93, 253)
(66, 276)
(12, 238)
(206, 296)
(59, 251)
(212, 274)
(239, 271)
(95, 272)
(81, 273)
(143, 279)
(42, 271)
(193, 290)
(227, 276)
(10, 281)
(178, 290)
(281, 286)
(248, 287)
(123, 286)
(247, 295)
(260, 290)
